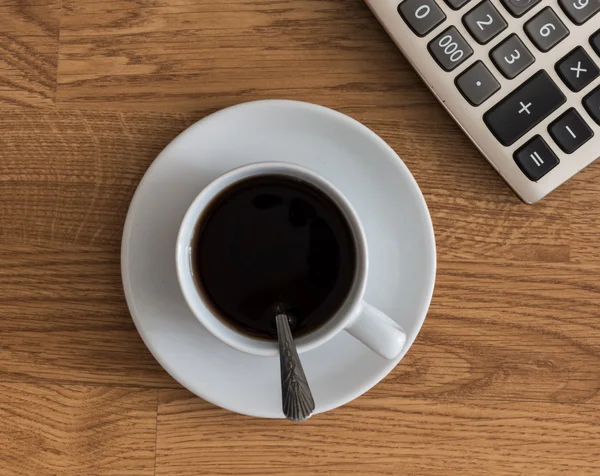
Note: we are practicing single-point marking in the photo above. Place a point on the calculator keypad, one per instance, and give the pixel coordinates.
(536, 158)
(580, 11)
(512, 57)
(592, 104)
(570, 131)
(526, 107)
(530, 101)
(421, 16)
(450, 49)
(577, 69)
(519, 7)
(545, 30)
(477, 84)
(595, 42)
(484, 22)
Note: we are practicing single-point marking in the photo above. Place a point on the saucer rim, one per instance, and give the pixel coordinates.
(429, 276)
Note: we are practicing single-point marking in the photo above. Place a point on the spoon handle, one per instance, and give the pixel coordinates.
(297, 400)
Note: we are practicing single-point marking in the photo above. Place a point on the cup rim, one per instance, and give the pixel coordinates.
(346, 313)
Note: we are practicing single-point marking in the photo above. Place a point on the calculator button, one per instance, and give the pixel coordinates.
(450, 49)
(595, 42)
(592, 104)
(457, 4)
(523, 109)
(484, 22)
(519, 7)
(570, 132)
(546, 30)
(421, 16)
(477, 84)
(580, 11)
(536, 159)
(512, 57)
(577, 69)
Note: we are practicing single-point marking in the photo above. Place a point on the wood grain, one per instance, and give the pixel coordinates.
(503, 378)
(386, 436)
(75, 430)
(183, 55)
(506, 330)
(28, 51)
(83, 169)
(586, 216)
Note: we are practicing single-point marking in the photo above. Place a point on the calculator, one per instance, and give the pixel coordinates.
(520, 77)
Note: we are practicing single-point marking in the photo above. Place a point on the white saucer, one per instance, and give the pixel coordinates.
(363, 167)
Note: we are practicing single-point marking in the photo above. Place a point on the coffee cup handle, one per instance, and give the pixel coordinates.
(378, 332)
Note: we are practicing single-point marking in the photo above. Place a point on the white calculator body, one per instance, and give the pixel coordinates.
(520, 77)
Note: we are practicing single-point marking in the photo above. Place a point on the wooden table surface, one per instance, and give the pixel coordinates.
(505, 375)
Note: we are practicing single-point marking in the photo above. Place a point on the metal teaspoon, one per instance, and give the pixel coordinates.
(297, 400)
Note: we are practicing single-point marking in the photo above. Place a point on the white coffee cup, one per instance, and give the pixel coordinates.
(363, 321)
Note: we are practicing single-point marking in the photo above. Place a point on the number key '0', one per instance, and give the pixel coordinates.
(421, 16)
(450, 49)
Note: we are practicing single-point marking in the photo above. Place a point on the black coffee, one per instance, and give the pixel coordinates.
(273, 239)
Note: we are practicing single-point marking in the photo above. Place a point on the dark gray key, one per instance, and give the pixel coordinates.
(512, 57)
(580, 11)
(457, 4)
(546, 30)
(577, 69)
(484, 22)
(477, 84)
(595, 42)
(519, 7)
(570, 131)
(536, 159)
(527, 106)
(450, 49)
(421, 16)
(592, 104)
